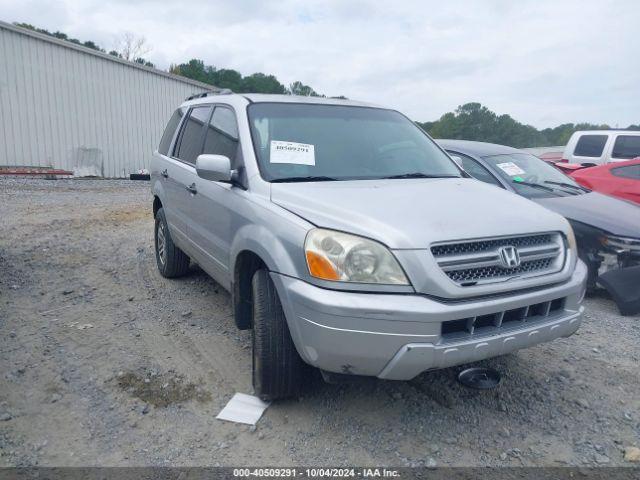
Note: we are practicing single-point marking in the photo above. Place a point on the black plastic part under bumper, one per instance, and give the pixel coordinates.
(624, 286)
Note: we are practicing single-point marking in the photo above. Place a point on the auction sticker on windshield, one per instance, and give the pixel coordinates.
(510, 168)
(292, 152)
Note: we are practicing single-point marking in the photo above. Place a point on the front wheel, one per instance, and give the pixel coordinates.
(277, 367)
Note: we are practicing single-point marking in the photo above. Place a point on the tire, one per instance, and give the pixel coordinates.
(172, 262)
(277, 367)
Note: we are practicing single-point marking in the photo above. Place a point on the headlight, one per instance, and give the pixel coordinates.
(621, 244)
(341, 257)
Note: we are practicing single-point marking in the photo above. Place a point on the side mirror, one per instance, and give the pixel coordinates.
(216, 168)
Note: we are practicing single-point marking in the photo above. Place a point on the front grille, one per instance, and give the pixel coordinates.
(475, 262)
(491, 244)
(495, 323)
(475, 274)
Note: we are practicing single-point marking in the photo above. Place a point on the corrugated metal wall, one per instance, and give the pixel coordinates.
(67, 107)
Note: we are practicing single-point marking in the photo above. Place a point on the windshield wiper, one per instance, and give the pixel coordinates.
(563, 184)
(420, 175)
(323, 178)
(310, 178)
(535, 185)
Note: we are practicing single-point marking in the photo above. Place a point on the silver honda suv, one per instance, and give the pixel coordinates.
(351, 242)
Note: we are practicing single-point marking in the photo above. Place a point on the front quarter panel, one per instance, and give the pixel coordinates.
(274, 234)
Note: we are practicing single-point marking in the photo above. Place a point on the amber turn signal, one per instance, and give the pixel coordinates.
(320, 267)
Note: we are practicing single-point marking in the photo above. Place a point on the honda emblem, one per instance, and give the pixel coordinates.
(509, 256)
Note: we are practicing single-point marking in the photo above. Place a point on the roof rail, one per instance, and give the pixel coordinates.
(222, 91)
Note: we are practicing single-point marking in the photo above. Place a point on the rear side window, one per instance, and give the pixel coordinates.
(189, 145)
(590, 146)
(167, 136)
(222, 134)
(626, 146)
(630, 171)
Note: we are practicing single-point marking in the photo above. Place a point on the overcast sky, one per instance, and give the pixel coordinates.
(542, 62)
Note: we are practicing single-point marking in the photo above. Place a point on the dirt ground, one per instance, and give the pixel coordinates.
(104, 362)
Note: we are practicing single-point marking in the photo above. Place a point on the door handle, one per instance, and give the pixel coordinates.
(192, 188)
(164, 173)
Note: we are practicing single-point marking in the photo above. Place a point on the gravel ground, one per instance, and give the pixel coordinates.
(104, 362)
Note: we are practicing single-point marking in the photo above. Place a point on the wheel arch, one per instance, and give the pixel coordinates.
(246, 265)
(255, 247)
(158, 195)
(157, 205)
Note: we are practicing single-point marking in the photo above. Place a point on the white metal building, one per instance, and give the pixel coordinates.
(71, 107)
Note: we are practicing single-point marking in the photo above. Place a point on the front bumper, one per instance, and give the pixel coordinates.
(398, 336)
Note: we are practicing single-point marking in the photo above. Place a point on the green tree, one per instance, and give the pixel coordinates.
(90, 44)
(196, 69)
(261, 83)
(228, 78)
(132, 48)
(299, 88)
(473, 121)
(144, 62)
(193, 69)
(60, 36)
(137, 45)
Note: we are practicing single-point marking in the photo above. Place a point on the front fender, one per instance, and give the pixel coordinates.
(281, 255)
(281, 248)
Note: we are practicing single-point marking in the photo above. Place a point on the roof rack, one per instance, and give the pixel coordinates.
(222, 91)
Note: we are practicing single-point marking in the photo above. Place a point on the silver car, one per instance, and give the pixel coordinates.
(351, 242)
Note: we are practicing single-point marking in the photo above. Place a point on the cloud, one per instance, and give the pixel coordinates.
(543, 62)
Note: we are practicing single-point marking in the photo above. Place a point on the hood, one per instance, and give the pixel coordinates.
(612, 215)
(413, 213)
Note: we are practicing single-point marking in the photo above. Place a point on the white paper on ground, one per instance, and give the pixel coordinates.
(292, 152)
(243, 408)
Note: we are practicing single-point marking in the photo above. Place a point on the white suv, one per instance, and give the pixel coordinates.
(602, 146)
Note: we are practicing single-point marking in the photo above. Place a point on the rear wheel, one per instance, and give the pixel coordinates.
(172, 262)
(277, 367)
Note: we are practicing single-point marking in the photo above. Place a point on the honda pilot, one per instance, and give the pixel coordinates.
(351, 242)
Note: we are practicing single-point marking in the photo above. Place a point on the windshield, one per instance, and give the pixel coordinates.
(527, 172)
(305, 142)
